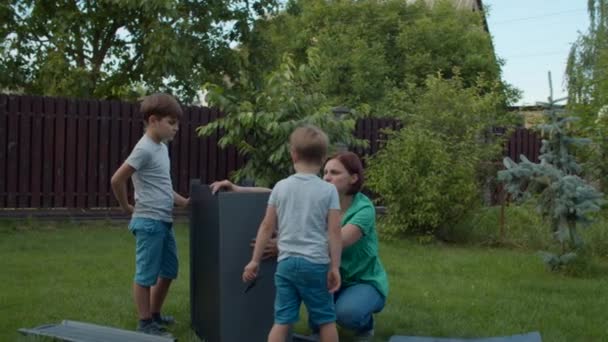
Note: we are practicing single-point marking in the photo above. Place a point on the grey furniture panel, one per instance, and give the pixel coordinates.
(221, 228)
(86, 332)
(529, 337)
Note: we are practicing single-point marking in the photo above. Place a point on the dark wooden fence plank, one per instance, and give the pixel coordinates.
(184, 152)
(59, 190)
(512, 146)
(71, 150)
(524, 140)
(230, 160)
(221, 153)
(12, 147)
(535, 151)
(212, 146)
(136, 128)
(203, 161)
(115, 136)
(104, 154)
(37, 151)
(359, 134)
(93, 155)
(137, 132)
(125, 131)
(82, 163)
(194, 143)
(174, 155)
(3, 145)
(25, 158)
(48, 173)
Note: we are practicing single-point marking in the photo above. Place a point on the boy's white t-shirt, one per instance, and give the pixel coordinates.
(303, 202)
(152, 180)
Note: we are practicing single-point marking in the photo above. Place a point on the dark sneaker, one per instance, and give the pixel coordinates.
(152, 328)
(365, 336)
(164, 320)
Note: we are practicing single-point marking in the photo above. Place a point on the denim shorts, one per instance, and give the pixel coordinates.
(298, 280)
(155, 250)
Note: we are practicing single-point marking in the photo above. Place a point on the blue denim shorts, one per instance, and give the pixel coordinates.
(155, 250)
(298, 280)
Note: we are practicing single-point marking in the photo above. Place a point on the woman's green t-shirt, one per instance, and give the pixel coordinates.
(360, 261)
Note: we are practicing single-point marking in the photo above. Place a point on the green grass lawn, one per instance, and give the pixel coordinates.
(83, 271)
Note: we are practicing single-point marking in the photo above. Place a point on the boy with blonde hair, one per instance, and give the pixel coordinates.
(156, 252)
(306, 210)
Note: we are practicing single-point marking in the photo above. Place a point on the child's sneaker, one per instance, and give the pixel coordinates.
(152, 328)
(164, 320)
(366, 336)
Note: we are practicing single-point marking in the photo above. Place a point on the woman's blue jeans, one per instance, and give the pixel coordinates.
(355, 306)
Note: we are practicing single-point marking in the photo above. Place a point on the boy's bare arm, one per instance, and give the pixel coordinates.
(180, 200)
(119, 185)
(335, 238)
(267, 227)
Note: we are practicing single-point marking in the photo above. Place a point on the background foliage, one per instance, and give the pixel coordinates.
(121, 49)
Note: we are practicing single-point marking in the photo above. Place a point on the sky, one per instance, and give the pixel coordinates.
(534, 37)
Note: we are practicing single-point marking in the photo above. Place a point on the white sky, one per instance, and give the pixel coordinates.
(534, 37)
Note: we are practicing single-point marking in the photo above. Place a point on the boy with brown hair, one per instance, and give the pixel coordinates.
(306, 210)
(156, 252)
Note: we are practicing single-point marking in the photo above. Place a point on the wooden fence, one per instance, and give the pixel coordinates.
(61, 153)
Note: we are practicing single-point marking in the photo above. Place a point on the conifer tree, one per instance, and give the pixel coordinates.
(565, 199)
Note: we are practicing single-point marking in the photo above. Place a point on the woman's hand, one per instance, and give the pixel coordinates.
(270, 250)
(222, 185)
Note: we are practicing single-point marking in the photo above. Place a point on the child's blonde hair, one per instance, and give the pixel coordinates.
(310, 143)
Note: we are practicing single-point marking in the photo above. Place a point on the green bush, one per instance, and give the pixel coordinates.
(421, 184)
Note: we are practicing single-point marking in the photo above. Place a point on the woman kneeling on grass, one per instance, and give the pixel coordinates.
(364, 281)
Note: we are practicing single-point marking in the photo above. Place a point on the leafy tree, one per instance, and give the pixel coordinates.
(371, 52)
(111, 48)
(587, 69)
(587, 76)
(597, 165)
(259, 124)
(565, 199)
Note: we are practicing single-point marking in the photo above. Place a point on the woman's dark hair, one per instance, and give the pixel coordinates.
(353, 166)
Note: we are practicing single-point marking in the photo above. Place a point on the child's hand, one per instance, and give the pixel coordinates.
(251, 271)
(333, 280)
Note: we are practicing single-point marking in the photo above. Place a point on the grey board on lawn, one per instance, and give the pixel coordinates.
(528, 337)
(73, 331)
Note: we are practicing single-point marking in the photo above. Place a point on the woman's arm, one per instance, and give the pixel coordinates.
(360, 223)
(229, 186)
(350, 235)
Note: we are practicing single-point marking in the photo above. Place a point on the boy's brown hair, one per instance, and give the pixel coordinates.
(310, 144)
(160, 105)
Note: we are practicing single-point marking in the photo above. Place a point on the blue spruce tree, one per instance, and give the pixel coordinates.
(565, 199)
